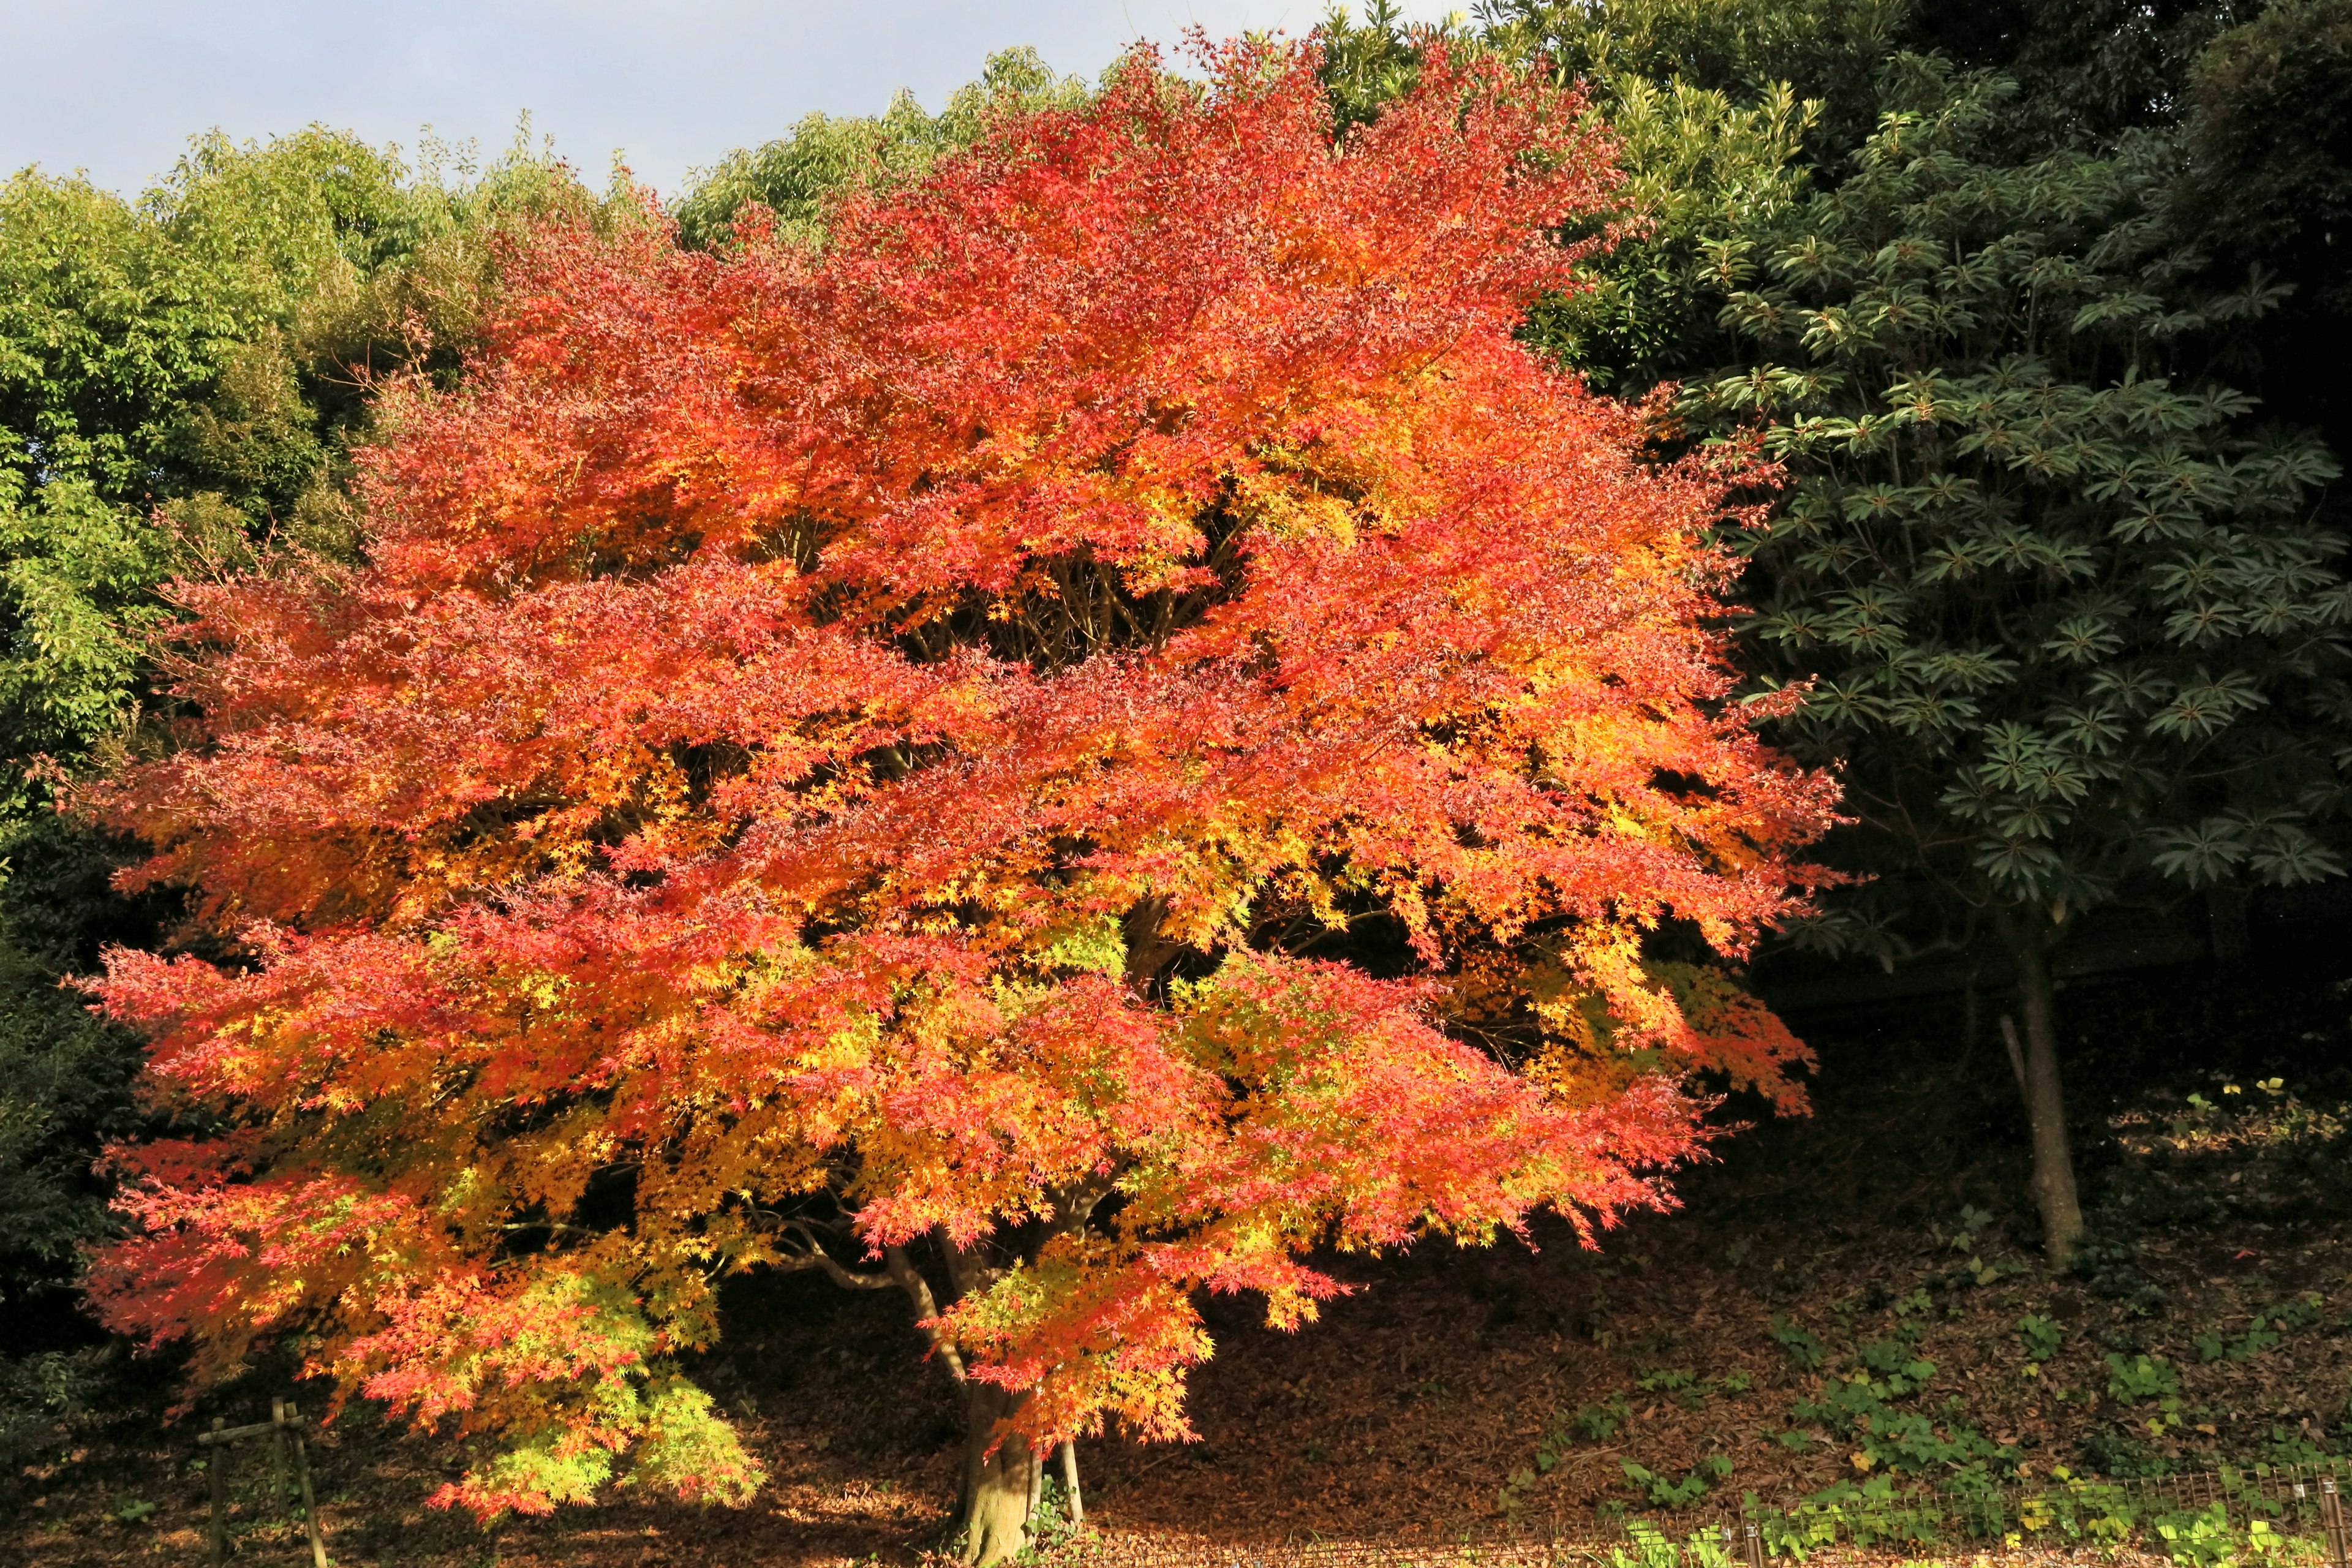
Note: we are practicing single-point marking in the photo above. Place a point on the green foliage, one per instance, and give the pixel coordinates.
(1803, 1347)
(2269, 1326)
(2208, 1539)
(798, 176)
(179, 379)
(2270, 133)
(2295, 1446)
(1872, 1405)
(1664, 1491)
(1699, 163)
(1719, 107)
(1893, 1360)
(1598, 1423)
(2090, 71)
(1827, 50)
(1647, 1546)
(1868, 1512)
(2268, 186)
(37, 1394)
(1593, 1423)
(61, 1078)
(1681, 1383)
(2071, 1511)
(1366, 64)
(2107, 1262)
(2042, 1336)
(2140, 1377)
(2071, 621)
(1050, 1527)
(1908, 1441)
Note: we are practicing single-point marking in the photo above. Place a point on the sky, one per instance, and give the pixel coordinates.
(115, 88)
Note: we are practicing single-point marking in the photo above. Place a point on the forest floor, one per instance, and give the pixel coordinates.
(1691, 1357)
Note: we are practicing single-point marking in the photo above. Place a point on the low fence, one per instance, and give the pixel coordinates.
(2280, 1514)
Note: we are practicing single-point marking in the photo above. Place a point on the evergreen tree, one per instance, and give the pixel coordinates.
(1976, 239)
(2068, 617)
(2268, 187)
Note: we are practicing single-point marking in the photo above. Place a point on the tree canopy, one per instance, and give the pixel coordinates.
(1107, 728)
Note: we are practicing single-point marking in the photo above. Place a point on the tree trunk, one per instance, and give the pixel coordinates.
(999, 1487)
(2225, 920)
(2045, 1103)
(1077, 1501)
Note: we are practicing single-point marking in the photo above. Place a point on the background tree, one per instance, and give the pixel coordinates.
(2267, 189)
(2088, 71)
(1725, 109)
(1742, 125)
(799, 178)
(2073, 627)
(179, 378)
(1007, 758)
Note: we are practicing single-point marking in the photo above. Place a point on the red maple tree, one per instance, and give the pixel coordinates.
(1106, 730)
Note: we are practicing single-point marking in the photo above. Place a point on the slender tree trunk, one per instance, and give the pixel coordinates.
(999, 1487)
(2225, 920)
(2045, 1102)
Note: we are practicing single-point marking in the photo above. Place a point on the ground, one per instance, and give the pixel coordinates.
(1851, 1299)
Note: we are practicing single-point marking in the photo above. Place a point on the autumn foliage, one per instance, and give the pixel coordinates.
(1108, 730)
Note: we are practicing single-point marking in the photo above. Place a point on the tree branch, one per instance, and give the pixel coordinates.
(1148, 953)
(816, 1256)
(927, 1310)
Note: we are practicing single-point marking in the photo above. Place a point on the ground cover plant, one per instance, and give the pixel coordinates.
(1105, 730)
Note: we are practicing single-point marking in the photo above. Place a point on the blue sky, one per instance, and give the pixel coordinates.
(116, 86)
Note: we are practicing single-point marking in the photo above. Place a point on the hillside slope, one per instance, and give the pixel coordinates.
(1842, 1298)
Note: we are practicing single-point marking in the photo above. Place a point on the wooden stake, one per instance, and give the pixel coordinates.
(310, 1500)
(1070, 1482)
(2016, 1054)
(277, 1453)
(219, 1479)
(284, 1426)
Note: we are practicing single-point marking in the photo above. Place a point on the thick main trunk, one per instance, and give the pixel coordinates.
(1000, 1488)
(2045, 1101)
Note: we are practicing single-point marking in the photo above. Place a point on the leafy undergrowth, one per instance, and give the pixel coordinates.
(1847, 1305)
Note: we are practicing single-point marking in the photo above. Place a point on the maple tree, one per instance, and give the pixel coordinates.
(1103, 731)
